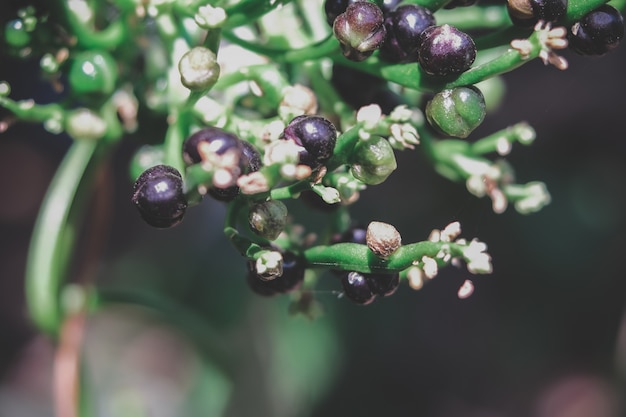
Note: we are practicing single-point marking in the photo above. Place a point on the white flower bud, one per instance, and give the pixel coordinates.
(199, 69)
(430, 267)
(269, 265)
(85, 124)
(209, 17)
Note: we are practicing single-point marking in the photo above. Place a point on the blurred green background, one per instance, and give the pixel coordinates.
(544, 335)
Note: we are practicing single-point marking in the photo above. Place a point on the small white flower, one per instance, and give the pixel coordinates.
(451, 232)
(209, 17)
(403, 136)
(369, 115)
(466, 289)
(269, 265)
(253, 183)
(478, 260)
(415, 276)
(282, 152)
(430, 267)
(401, 114)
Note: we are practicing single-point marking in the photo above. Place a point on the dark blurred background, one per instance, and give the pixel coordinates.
(543, 336)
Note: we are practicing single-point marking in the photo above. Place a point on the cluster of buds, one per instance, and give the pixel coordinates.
(452, 251)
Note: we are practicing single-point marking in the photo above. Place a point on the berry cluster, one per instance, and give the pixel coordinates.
(403, 33)
(263, 103)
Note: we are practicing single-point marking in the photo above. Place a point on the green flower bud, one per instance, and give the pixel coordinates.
(268, 219)
(373, 160)
(93, 72)
(199, 69)
(16, 34)
(456, 112)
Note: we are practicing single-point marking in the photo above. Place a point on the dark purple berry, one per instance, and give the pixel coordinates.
(360, 30)
(290, 280)
(383, 284)
(159, 196)
(317, 137)
(446, 51)
(250, 161)
(220, 141)
(527, 13)
(404, 26)
(334, 8)
(598, 32)
(356, 288)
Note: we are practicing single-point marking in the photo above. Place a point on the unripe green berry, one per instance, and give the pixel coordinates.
(199, 69)
(373, 160)
(456, 112)
(268, 219)
(93, 72)
(15, 33)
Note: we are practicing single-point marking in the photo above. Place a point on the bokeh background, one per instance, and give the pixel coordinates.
(543, 336)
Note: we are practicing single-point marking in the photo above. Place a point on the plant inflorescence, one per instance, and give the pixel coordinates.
(271, 100)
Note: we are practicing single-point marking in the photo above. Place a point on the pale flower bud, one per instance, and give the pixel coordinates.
(199, 69)
(383, 239)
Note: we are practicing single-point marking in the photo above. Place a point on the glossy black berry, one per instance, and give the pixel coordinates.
(404, 26)
(446, 51)
(383, 284)
(334, 8)
(220, 141)
(250, 161)
(356, 288)
(159, 196)
(598, 32)
(527, 13)
(360, 30)
(291, 279)
(316, 135)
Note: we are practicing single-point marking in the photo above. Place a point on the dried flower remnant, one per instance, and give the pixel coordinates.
(383, 239)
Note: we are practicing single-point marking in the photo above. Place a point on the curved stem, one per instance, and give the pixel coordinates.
(55, 231)
(109, 38)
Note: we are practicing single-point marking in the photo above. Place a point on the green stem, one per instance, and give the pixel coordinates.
(475, 17)
(110, 38)
(247, 11)
(343, 148)
(55, 231)
(359, 258)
